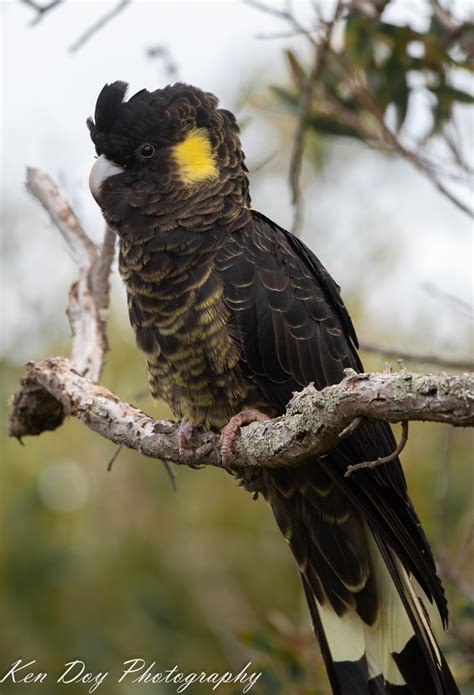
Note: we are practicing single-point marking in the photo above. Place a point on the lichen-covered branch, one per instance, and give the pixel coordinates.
(312, 424)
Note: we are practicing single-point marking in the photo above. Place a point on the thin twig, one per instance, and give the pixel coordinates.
(351, 428)
(452, 144)
(263, 163)
(286, 15)
(442, 188)
(163, 54)
(296, 159)
(171, 475)
(461, 363)
(41, 10)
(383, 459)
(168, 469)
(100, 24)
(114, 457)
(309, 94)
(465, 308)
(285, 34)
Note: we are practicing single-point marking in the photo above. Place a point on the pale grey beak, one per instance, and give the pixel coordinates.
(102, 170)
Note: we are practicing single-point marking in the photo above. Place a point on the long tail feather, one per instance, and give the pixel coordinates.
(368, 613)
(398, 654)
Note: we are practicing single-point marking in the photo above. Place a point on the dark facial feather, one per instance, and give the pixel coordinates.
(197, 184)
(162, 117)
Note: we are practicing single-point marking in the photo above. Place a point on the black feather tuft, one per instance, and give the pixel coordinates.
(111, 96)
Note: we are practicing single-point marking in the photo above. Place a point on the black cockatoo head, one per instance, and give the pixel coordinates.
(165, 158)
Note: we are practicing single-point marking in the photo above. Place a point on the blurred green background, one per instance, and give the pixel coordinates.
(108, 566)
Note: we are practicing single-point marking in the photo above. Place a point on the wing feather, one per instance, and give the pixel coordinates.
(293, 329)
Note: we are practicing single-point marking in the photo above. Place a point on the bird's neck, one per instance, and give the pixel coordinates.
(224, 204)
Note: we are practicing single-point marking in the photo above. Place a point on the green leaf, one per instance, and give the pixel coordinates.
(328, 125)
(297, 72)
(288, 98)
(452, 93)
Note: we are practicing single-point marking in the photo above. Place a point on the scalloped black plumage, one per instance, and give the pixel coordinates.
(232, 311)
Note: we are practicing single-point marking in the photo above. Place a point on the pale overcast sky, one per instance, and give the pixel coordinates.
(363, 206)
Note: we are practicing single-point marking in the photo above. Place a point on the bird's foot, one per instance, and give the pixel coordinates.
(185, 437)
(228, 433)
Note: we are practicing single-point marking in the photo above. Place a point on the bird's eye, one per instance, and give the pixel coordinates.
(147, 150)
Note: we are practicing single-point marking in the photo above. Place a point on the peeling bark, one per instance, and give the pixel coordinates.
(89, 295)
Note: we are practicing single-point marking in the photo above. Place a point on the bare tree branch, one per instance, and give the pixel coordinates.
(89, 296)
(41, 9)
(320, 47)
(309, 94)
(100, 272)
(461, 363)
(43, 189)
(383, 459)
(442, 188)
(163, 54)
(284, 14)
(452, 142)
(100, 24)
(312, 424)
(463, 307)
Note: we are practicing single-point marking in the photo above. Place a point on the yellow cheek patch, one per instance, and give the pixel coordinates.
(195, 159)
